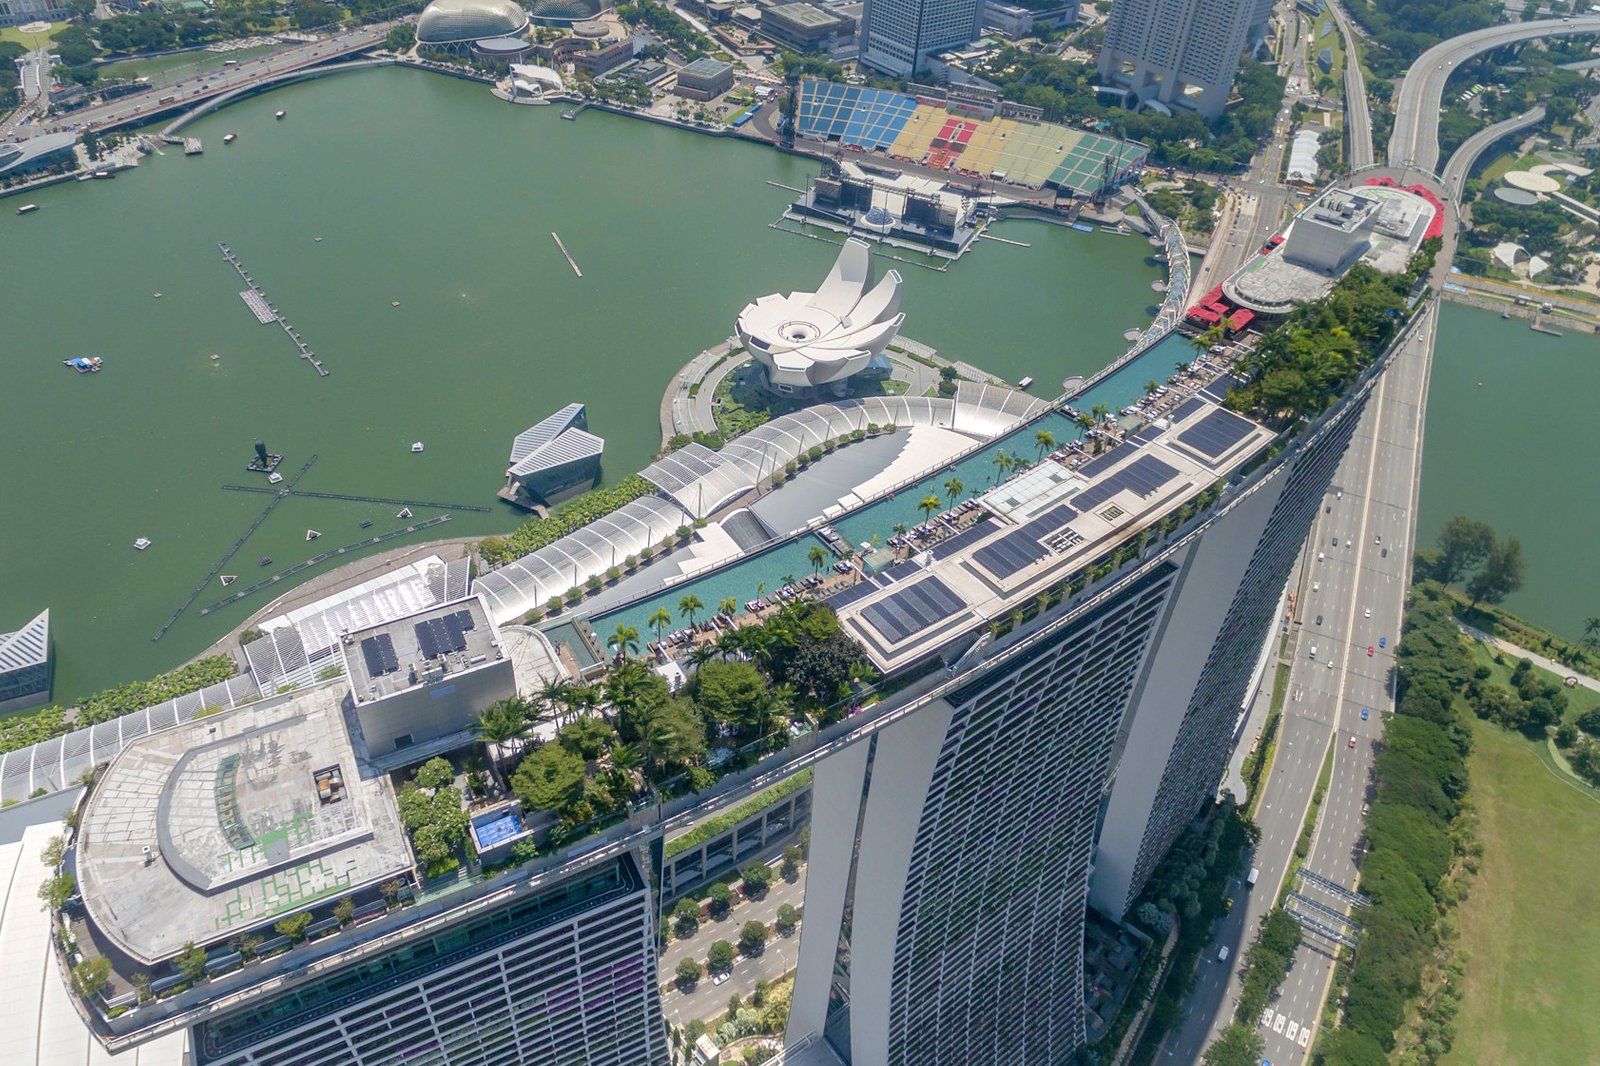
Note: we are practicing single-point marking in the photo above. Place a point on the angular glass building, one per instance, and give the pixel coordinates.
(27, 665)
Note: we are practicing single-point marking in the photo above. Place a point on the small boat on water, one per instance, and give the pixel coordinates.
(27, 209)
(1025, 383)
(265, 560)
(366, 523)
(142, 543)
(85, 364)
(317, 239)
(229, 138)
(416, 447)
(157, 295)
(274, 477)
(394, 303)
(280, 114)
(104, 175)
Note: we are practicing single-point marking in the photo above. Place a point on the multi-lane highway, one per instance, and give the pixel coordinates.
(1352, 581)
(1415, 139)
(193, 91)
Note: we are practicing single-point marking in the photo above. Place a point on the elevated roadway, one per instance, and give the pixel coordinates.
(1415, 139)
(1357, 116)
(1459, 168)
(191, 92)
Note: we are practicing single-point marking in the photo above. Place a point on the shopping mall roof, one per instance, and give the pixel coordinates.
(230, 823)
(1054, 522)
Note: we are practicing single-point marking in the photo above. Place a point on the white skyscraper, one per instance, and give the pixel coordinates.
(898, 36)
(1180, 53)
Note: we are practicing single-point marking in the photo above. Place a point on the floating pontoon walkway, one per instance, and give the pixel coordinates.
(278, 496)
(571, 262)
(324, 557)
(261, 302)
(431, 505)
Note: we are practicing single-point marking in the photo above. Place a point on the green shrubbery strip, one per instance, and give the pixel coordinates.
(535, 533)
(723, 822)
(23, 730)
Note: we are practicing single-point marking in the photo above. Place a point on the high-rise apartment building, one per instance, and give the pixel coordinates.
(898, 36)
(1180, 53)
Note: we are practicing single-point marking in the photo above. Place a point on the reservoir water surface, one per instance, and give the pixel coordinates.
(427, 192)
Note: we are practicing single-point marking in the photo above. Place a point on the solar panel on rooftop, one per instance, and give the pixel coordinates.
(913, 608)
(1216, 433)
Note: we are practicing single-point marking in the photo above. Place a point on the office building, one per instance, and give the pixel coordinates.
(27, 665)
(1179, 54)
(898, 36)
(1015, 21)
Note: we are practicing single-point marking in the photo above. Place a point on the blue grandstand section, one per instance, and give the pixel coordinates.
(850, 114)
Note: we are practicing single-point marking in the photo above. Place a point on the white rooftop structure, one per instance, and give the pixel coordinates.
(28, 646)
(808, 339)
(530, 79)
(40, 1026)
(1303, 157)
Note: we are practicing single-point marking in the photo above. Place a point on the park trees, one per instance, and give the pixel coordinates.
(1463, 544)
(685, 918)
(757, 878)
(1500, 575)
(687, 973)
(788, 918)
(721, 897)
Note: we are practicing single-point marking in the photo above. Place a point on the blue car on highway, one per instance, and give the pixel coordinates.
(1364, 713)
(1383, 642)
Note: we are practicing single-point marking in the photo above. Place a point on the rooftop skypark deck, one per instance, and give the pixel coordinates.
(1051, 525)
(201, 832)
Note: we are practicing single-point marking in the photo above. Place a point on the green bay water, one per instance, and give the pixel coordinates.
(426, 191)
(1517, 451)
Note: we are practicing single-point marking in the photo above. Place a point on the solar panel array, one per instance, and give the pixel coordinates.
(852, 114)
(945, 549)
(379, 653)
(1022, 548)
(1186, 408)
(1143, 476)
(440, 636)
(913, 609)
(1216, 433)
(1218, 390)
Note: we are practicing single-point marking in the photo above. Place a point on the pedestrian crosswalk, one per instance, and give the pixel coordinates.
(1294, 1032)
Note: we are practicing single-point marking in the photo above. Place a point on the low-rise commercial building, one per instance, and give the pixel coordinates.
(705, 79)
(604, 58)
(806, 28)
(1014, 20)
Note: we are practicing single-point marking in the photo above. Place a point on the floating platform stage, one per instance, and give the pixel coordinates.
(258, 306)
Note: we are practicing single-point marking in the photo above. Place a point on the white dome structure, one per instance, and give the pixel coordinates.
(447, 22)
(807, 339)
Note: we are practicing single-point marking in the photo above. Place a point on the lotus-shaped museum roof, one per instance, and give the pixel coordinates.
(816, 338)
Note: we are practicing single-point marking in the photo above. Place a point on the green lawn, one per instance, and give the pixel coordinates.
(1529, 923)
(31, 40)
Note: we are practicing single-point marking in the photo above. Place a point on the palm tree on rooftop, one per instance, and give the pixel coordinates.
(500, 723)
(625, 641)
(928, 505)
(554, 696)
(1046, 442)
(660, 621)
(952, 489)
(1203, 342)
(817, 556)
(728, 607)
(1591, 632)
(690, 606)
(1002, 464)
